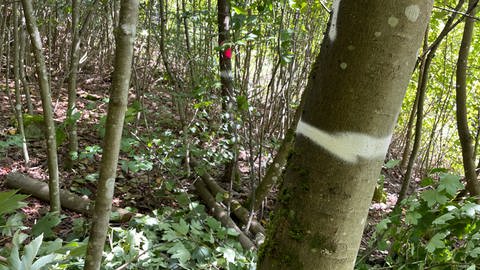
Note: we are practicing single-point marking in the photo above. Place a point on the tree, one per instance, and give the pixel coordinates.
(16, 72)
(461, 88)
(117, 106)
(353, 99)
(41, 68)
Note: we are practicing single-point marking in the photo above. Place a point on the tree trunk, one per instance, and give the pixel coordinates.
(125, 36)
(16, 72)
(422, 88)
(72, 88)
(473, 186)
(344, 133)
(44, 84)
(23, 77)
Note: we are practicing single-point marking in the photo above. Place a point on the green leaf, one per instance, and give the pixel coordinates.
(182, 227)
(470, 209)
(201, 254)
(232, 232)
(383, 225)
(412, 217)
(228, 254)
(432, 197)
(45, 225)
(179, 252)
(471, 267)
(436, 242)
(31, 251)
(170, 236)
(427, 181)
(42, 261)
(443, 219)
(242, 103)
(392, 163)
(474, 253)
(240, 10)
(450, 183)
(10, 201)
(213, 223)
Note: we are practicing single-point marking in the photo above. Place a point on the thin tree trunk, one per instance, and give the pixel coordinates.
(473, 186)
(44, 84)
(23, 77)
(113, 132)
(422, 88)
(72, 88)
(16, 72)
(344, 133)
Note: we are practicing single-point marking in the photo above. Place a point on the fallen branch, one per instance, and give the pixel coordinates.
(238, 210)
(68, 199)
(221, 214)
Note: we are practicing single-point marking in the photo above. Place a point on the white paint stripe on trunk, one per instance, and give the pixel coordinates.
(332, 34)
(348, 146)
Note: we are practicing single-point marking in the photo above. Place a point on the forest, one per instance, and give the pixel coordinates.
(227, 134)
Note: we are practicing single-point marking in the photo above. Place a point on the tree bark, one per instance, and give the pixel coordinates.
(344, 133)
(68, 199)
(16, 74)
(44, 84)
(72, 88)
(125, 37)
(422, 88)
(473, 186)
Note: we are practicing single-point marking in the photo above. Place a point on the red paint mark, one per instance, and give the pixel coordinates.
(228, 53)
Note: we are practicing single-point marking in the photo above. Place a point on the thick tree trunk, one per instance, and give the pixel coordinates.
(44, 84)
(473, 186)
(125, 37)
(344, 133)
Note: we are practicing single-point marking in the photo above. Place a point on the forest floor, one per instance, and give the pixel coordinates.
(132, 189)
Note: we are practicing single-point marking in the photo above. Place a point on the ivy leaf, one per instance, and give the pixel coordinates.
(443, 219)
(432, 197)
(450, 183)
(179, 252)
(436, 242)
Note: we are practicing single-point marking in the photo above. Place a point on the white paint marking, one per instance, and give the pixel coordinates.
(412, 12)
(393, 21)
(226, 74)
(343, 65)
(348, 146)
(332, 34)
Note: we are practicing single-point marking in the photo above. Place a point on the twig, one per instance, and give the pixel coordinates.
(325, 6)
(457, 12)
